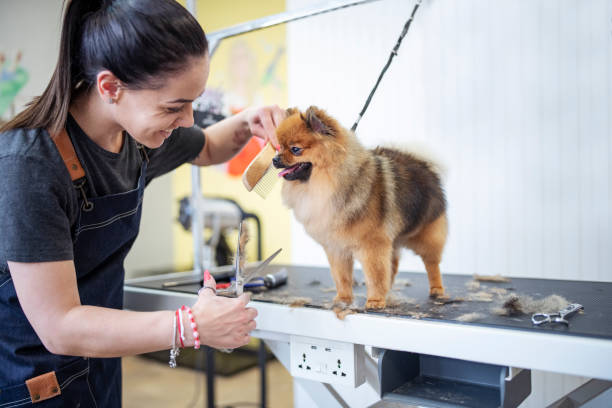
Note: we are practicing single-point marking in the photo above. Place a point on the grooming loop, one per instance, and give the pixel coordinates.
(384, 70)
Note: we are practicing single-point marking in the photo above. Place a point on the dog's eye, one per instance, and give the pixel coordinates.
(296, 150)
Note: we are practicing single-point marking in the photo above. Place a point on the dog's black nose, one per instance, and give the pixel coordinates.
(277, 162)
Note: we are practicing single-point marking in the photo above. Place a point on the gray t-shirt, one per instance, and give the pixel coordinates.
(38, 202)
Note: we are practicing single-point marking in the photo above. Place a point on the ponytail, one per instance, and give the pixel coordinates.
(140, 41)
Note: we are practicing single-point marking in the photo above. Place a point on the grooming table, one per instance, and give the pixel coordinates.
(416, 324)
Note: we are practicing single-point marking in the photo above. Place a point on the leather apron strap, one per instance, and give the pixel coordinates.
(43, 387)
(71, 160)
(66, 150)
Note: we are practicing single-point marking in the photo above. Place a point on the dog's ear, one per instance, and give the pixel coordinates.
(317, 120)
(291, 111)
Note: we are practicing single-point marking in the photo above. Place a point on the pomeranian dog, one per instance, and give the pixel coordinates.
(361, 204)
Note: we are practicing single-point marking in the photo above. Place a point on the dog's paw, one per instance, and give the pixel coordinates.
(341, 311)
(343, 301)
(376, 304)
(435, 293)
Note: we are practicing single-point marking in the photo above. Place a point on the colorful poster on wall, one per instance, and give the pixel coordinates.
(13, 77)
(246, 70)
(247, 73)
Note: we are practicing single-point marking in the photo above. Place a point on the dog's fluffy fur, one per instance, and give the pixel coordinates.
(361, 204)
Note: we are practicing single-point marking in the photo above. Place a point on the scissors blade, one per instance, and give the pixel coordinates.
(255, 272)
(239, 261)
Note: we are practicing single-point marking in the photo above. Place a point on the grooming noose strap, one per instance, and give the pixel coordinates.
(391, 56)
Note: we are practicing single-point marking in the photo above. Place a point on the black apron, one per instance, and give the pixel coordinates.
(102, 237)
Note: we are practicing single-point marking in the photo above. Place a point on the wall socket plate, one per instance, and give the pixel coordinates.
(327, 361)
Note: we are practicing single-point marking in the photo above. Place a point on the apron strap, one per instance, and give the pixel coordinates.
(66, 150)
(143, 152)
(71, 160)
(43, 387)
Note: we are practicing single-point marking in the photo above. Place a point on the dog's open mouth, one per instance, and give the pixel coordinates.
(299, 171)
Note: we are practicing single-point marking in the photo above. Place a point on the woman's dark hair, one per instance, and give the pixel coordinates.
(140, 41)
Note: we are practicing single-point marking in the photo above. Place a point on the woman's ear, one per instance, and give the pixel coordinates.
(108, 86)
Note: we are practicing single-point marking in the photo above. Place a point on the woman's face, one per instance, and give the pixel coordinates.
(150, 115)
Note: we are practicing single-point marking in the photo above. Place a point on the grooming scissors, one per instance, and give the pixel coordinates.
(542, 318)
(244, 276)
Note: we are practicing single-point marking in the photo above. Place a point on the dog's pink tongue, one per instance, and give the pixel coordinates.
(286, 171)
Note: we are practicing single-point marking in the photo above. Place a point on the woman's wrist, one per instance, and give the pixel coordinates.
(242, 132)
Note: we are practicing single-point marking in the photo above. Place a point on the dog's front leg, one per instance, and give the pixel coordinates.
(341, 264)
(376, 261)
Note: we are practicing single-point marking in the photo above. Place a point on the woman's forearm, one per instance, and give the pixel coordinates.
(91, 331)
(224, 140)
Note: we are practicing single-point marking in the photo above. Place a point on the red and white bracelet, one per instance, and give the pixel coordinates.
(178, 330)
(194, 327)
(181, 329)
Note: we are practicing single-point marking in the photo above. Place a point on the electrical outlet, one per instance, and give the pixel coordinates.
(327, 361)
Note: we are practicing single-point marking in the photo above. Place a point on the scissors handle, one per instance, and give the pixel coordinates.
(540, 318)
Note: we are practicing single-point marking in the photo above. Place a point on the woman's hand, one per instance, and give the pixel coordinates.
(223, 322)
(226, 138)
(263, 121)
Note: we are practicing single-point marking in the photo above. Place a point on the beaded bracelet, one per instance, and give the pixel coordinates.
(194, 327)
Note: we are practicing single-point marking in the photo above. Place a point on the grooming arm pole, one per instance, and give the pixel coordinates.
(275, 19)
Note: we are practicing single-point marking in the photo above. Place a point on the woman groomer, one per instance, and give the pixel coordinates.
(116, 114)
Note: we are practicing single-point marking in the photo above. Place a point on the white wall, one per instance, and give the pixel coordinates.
(514, 95)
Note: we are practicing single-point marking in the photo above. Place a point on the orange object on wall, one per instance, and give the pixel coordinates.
(239, 163)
